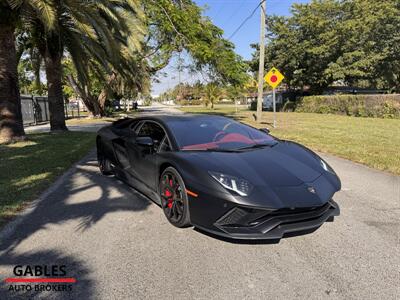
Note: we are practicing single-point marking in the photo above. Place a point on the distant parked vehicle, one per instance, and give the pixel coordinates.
(116, 104)
(268, 102)
(281, 98)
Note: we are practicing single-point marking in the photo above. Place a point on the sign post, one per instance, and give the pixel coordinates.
(274, 78)
(274, 104)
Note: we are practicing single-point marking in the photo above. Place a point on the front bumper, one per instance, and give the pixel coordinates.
(259, 224)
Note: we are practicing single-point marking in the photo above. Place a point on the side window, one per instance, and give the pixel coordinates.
(152, 130)
(133, 125)
(164, 147)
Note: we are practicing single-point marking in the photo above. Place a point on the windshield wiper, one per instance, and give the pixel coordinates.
(255, 146)
(221, 150)
(213, 150)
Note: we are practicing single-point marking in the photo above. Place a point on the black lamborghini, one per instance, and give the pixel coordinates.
(221, 176)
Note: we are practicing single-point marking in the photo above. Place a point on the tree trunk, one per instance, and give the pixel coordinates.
(11, 125)
(99, 112)
(91, 102)
(102, 101)
(104, 93)
(38, 84)
(55, 91)
(36, 62)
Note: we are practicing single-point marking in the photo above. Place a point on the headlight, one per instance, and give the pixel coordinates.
(326, 167)
(238, 185)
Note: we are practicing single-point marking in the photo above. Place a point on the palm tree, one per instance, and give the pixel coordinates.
(11, 11)
(212, 93)
(98, 36)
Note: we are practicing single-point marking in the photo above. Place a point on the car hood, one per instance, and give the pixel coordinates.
(282, 175)
(285, 164)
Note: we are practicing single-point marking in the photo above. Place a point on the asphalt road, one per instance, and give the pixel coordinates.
(118, 245)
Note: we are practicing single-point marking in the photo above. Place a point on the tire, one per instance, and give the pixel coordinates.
(103, 162)
(174, 200)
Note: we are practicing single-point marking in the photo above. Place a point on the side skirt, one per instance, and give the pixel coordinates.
(136, 185)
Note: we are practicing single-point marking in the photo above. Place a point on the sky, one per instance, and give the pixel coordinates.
(227, 15)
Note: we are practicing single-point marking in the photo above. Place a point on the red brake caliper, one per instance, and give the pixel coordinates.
(169, 195)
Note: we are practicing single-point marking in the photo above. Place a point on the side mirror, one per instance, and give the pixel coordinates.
(145, 141)
(265, 130)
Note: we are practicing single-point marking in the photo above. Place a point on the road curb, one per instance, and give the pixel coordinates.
(10, 227)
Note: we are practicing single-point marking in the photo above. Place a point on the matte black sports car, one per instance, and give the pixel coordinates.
(220, 175)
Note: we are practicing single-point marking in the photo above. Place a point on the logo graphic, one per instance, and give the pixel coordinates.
(311, 189)
(40, 278)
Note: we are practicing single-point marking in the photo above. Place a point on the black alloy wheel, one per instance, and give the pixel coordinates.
(174, 199)
(104, 164)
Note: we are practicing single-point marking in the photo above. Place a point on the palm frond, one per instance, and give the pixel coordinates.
(45, 11)
(15, 3)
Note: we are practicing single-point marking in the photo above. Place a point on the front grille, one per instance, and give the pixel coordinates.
(246, 217)
(234, 217)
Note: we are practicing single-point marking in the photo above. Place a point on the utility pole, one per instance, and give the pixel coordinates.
(179, 76)
(261, 63)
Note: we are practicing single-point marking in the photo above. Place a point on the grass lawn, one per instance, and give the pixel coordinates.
(83, 121)
(115, 116)
(370, 141)
(29, 167)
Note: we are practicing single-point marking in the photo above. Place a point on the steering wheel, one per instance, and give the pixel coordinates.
(219, 136)
(222, 133)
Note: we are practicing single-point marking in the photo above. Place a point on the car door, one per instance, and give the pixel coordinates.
(143, 159)
(126, 136)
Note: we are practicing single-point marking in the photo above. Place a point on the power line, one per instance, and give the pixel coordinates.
(245, 20)
(221, 7)
(229, 19)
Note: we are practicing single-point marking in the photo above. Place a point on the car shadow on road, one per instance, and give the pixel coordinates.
(255, 242)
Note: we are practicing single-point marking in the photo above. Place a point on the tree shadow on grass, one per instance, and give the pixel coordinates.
(23, 165)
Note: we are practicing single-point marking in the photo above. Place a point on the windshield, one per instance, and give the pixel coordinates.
(216, 133)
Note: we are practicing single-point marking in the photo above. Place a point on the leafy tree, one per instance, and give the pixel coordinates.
(107, 44)
(29, 69)
(169, 29)
(235, 92)
(353, 42)
(177, 25)
(118, 72)
(371, 51)
(95, 34)
(11, 12)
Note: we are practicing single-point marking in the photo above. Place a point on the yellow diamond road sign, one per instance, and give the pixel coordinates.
(274, 77)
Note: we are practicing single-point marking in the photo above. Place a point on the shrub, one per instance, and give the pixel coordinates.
(109, 110)
(253, 105)
(377, 106)
(190, 102)
(147, 101)
(289, 106)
